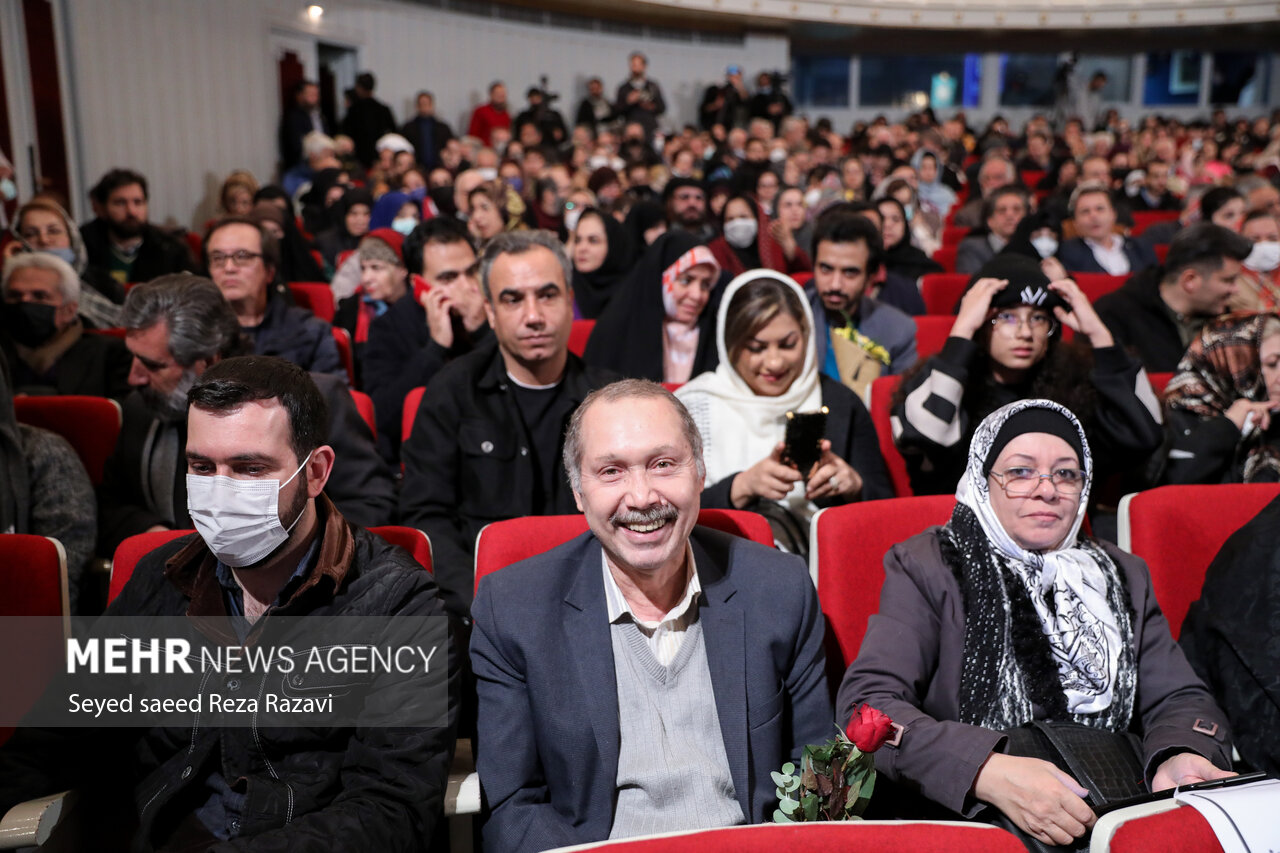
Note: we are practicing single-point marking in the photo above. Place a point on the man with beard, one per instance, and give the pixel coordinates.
(43, 338)
(639, 99)
(121, 241)
(686, 203)
(846, 256)
(176, 328)
(486, 117)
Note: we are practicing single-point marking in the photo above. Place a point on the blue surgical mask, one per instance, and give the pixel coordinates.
(68, 255)
(8, 189)
(404, 224)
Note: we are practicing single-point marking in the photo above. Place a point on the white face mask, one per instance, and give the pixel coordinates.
(571, 218)
(740, 233)
(404, 225)
(1264, 257)
(488, 173)
(239, 519)
(1045, 244)
(777, 155)
(812, 197)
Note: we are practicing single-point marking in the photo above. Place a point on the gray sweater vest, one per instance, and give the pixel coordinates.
(673, 773)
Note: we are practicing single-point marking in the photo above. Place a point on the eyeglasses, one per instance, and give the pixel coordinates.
(1038, 323)
(1020, 482)
(240, 257)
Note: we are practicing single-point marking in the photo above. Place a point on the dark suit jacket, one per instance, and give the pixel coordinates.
(95, 366)
(1076, 256)
(548, 712)
(440, 134)
(1141, 323)
(294, 125)
(361, 484)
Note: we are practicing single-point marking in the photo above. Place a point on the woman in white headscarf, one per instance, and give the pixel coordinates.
(768, 367)
(1007, 615)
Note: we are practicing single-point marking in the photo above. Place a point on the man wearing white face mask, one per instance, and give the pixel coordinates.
(177, 328)
(272, 558)
(1259, 281)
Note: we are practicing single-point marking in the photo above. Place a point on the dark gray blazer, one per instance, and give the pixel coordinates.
(548, 733)
(912, 658)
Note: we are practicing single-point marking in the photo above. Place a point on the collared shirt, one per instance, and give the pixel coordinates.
(1112, 258)
(666, 635)
(996, 242)
(233, 595)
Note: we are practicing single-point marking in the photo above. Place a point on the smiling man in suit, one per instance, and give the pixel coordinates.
(646, 676)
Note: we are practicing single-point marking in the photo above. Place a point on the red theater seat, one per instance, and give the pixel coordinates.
(881, 396)
(1144, 219)
(505, 542)
(342, 339)
(1095, 285)
(946, 256)
(412, 401)
(846, 557)
(931, 333)
(579, 334)
(364, 405)
(1171, 529)
(316, 297)
(33, 582)
(90, 424)
(942, 290)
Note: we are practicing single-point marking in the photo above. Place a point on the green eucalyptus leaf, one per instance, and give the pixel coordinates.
(779, 817)
(794, 783)
(788, 769)
(788, 806)
(779, 779)
(779, 793)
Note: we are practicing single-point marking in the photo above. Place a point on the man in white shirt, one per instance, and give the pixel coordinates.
(1097, 248)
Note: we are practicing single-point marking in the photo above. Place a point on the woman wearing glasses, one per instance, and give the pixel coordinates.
(1007, 615)
(1007, 345)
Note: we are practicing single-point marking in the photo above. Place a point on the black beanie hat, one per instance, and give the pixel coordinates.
(1034, 419)
(1028, 285)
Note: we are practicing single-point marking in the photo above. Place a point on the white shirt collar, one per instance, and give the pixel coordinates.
(617, 604)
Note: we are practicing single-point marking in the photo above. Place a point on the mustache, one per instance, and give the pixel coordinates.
(659, 512)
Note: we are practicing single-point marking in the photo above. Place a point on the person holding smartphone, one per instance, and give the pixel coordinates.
(768, 367)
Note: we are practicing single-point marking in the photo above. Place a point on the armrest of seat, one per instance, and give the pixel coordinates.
(31, 823)
(462, 794)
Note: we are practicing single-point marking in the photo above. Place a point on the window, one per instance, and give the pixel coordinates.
(1239, 79)
(943, 81)
(820, 81)
(1031, 79)
(1173, 78)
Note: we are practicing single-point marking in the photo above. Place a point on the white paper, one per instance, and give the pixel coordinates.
(1242, 816)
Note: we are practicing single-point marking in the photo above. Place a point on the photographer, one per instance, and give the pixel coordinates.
(539, 113)
(725, 104)
(770, 101)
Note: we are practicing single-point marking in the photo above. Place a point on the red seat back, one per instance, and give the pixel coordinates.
(1095, 285)
(316, 297)
(90, 424)
(1179, 830)
(1144, 219)
(931, 333)
(1162, 252)
(1171, 530)
(33, 583)
(1159, 381)
(953, 234)
(505, 542)
(1031, 178)
(881, 396)
(364, 405)
(579, 335)
(412, 401)
(942, 290)
(802, 278)
(946, 256)
(849, 544)
(342, 338)
(134, 548)
(863, 836)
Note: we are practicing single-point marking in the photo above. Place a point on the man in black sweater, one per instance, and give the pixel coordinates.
(121, 240)
(1158, 317)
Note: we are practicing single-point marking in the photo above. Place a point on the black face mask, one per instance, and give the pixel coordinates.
(29, 323)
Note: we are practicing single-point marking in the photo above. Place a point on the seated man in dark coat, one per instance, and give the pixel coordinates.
(1098, 248)
(1158, 319)
(422, 333)
(686, 663)
(44, 339)
(273, 566)
(179, 326)
(121, 240)
(487, 439)
(243, 259)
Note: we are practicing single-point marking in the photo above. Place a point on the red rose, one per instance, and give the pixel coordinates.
(869, 728)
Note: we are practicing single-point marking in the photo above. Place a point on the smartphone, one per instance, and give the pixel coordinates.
(802, 442)
(1229, 782)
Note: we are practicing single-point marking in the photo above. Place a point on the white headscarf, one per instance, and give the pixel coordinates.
(1081, 628)
(738, 426)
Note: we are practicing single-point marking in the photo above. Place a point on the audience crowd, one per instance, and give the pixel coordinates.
(480, 284)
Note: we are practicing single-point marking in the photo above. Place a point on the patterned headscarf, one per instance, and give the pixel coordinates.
(1221, 366)
(1030, 614)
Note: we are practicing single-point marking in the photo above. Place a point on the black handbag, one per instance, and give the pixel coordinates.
(1108, 764)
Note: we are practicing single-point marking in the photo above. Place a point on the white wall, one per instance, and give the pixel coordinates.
(185, 90)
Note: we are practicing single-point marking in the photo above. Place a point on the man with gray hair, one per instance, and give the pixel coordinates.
(176, 328)
(43, 338)
(486, 440)
(687, 662)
